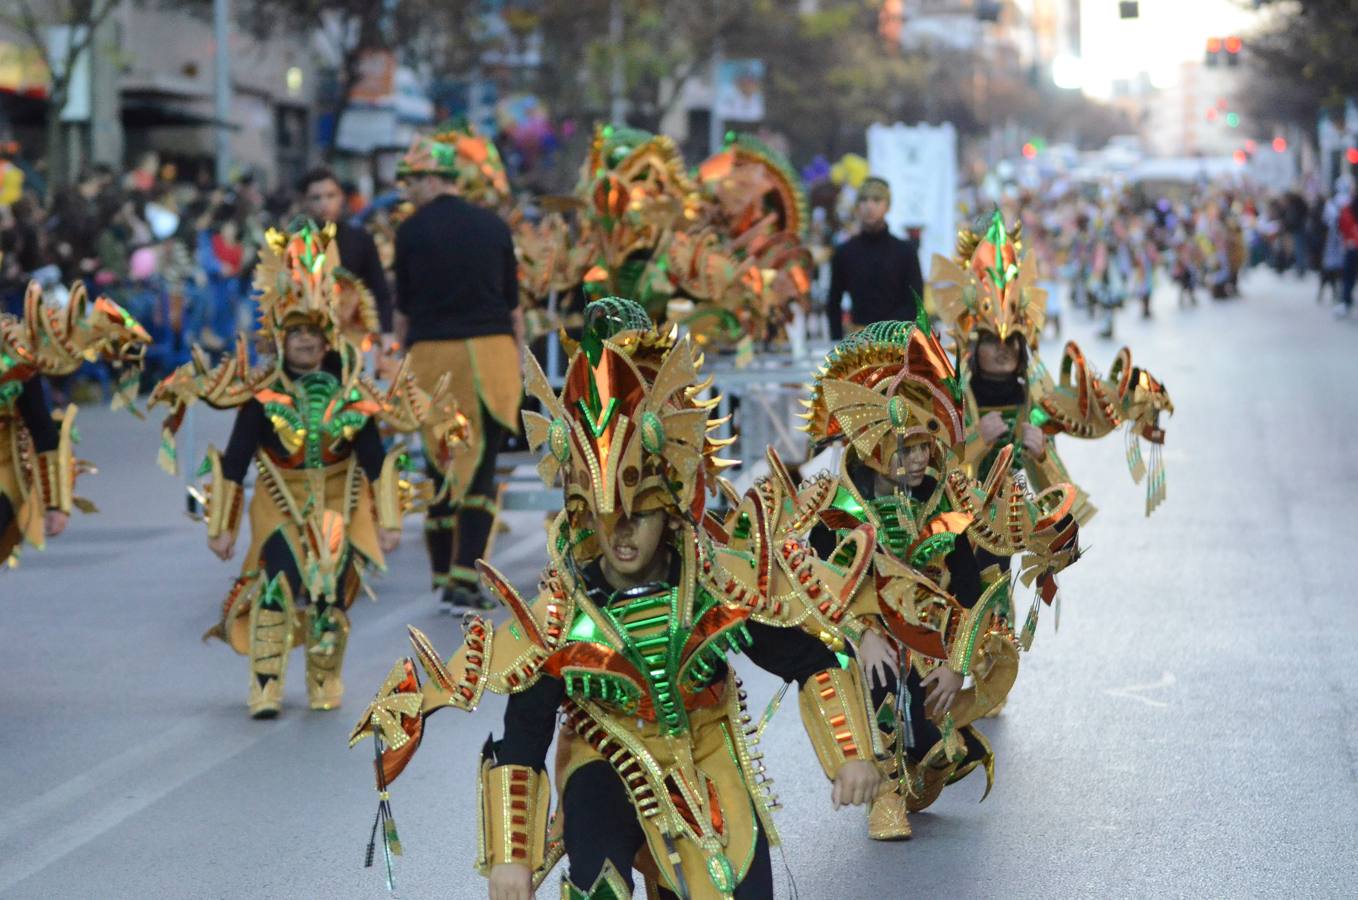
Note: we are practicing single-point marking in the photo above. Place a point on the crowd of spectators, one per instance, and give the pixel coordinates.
(178, 256)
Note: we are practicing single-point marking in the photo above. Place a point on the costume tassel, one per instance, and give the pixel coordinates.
(383, 821)
(168, 458)
(1135, 464)
(1155, 485)
(770, 710)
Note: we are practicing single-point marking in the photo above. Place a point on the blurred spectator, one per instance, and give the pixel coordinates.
(323, 201)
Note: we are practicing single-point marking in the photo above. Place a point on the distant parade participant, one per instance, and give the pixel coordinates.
(879, 271)
(328, 498)
(323, 202)
(988, 297)
(38, 468)
(458, 314)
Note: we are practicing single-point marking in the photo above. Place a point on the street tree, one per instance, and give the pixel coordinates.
(1301, 61)
(36, 20)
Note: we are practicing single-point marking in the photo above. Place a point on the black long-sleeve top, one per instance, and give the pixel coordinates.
(252, 430)
(34, 412)
(530, 715)
(881, 273)
(359, 256)
(456, 273)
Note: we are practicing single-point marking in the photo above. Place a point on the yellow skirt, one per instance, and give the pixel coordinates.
(280, 492)
(484, 372)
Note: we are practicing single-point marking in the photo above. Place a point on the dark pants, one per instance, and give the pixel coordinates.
(457, 535)
(923, 733)
(1350, 276)
(6, 522)
(601, 824)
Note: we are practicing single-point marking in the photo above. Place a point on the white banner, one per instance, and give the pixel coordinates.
(920, 164)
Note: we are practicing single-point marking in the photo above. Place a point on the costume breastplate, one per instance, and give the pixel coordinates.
(671, 661)
(313, 419)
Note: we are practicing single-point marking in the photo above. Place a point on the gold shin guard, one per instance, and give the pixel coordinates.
(888, 818)
(271, 627)
(608, 886)
(327, 637)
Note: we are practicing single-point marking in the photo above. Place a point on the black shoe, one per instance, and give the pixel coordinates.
(468, 598)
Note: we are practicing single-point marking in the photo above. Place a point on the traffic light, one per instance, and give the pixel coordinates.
(1213, 52)
(1233, 45)
(988, 10)
(1129, 9)
(1280, 145)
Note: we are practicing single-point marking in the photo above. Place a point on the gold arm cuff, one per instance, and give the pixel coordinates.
(387, 492)
(514, 802)
(225, 499)
(835, 715)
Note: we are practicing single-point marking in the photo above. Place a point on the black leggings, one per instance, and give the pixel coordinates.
(6, 522)
(601, 824)
(474, 517)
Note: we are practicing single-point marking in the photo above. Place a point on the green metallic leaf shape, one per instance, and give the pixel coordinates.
(652, 433)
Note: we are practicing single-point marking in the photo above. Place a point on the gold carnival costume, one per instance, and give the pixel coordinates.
(325, 483)
(990, 293)
(881, 391)
(38, 467)
(657, 747)
(723, 253)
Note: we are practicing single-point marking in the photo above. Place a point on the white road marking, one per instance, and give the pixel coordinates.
(1133, 691)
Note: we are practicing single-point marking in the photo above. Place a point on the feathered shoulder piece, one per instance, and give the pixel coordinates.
(1084, 404)
(52, 340)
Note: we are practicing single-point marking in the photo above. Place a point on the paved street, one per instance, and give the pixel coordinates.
(1192, 730)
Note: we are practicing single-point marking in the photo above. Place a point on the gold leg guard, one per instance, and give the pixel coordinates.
(270, 640)
(887, 816)
(327, 638)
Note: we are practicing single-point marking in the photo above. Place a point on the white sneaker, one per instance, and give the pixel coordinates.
(1341, 311)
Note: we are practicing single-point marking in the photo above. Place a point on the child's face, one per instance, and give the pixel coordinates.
(304, 348)
(915, 462)
(999, 358)
(630, 544)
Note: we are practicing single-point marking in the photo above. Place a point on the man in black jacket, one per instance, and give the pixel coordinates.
(323, 199)
(458, 315)
(879, 271)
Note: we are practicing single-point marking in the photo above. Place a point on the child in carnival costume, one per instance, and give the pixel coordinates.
(890, 394)
(38, 468)
(328, 498)
(628, 640)
(989, 300)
